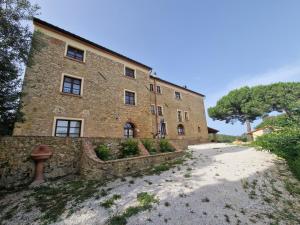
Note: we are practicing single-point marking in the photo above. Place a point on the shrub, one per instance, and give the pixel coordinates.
(103, 152)
(148, 144)
(284, 143)
(165, 146)
(129, 148)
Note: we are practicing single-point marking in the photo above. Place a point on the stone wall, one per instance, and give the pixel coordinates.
(17, 167)
(96, 169)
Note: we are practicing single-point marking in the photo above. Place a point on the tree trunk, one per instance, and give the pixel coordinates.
(249, 136)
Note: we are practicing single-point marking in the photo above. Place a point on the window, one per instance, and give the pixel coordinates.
(179, 116)
(129, 130)
(177, 95)
(163, 129)
(158, 90)
(152, 109)
(180, 129)
(151, 87)
(67, 128)
(186, 116)
(199, 129)
(159, 110)
(71, 85)
(75, 53)
(129, 72)
(129, 98)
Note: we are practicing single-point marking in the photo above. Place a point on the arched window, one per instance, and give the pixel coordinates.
(180, 129)
(129, 130)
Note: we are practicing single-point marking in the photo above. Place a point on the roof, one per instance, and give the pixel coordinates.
(262, 128)
(212, 130)
(175, 85)
(67, 33)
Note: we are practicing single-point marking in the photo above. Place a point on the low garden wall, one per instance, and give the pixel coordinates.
(95, 169)
(70, 157)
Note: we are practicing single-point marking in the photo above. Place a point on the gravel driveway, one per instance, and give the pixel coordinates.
(216, 184)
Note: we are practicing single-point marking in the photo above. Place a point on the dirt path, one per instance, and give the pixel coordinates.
(216, 184)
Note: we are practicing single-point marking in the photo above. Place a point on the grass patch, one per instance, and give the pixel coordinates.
(145, 202)
(292, 188)
(52, 200)
(110, 202)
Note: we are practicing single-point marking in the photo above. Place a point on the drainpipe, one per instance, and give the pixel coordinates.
(155, 105)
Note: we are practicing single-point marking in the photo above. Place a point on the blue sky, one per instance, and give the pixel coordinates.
(211, 46)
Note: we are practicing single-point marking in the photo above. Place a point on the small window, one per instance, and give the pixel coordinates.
(67, 128)
(75, 53)
(186, 116)
(159, 110)
(180, 129)
(199, 129)
(129, 72)
(179, 116)
(128, 130)
(72, 85)
(151, 87)
(152, 109)
(177, 95)
(158, 90)
(129, 98)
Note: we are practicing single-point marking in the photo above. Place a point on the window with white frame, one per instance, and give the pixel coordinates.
(152, 109)
(130, 98)
(71, 85)
(67, 128)
(75, 53)
(177, 95)
(129, 72)
(158, 89)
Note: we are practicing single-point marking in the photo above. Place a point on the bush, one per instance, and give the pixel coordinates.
(284, 143)
(103, 152)
(148, 144)
(165, 146)
(130, 148)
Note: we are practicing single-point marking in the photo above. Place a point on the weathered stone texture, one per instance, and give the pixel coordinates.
(17, 167)
(102, 104)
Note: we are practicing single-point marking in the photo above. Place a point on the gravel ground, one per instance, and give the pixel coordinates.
(216, 184)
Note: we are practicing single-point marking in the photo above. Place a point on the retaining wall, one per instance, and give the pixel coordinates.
(17, 167)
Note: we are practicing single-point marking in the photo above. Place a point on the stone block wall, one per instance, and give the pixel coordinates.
(69, 158)
(95, 169)
(17, 167)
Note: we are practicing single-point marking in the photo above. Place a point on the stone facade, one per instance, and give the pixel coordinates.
(100, 106)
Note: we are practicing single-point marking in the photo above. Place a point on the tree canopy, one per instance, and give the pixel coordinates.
(247, 104)
(15, 41)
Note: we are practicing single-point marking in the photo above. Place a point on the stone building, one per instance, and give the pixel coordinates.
(78, 88)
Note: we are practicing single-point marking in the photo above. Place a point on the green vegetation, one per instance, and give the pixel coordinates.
(223, 138)
(129, 148)
(145, 202)
(165, 146)
(285, 143)
(111, 201)
(149, 146)
(103, 152)
(52, 200)
(247, 104)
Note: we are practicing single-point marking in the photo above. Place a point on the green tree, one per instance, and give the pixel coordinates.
(238, 105)
(15, 41)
